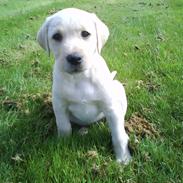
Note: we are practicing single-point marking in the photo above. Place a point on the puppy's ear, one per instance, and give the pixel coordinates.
(102, 32)
(42, 36)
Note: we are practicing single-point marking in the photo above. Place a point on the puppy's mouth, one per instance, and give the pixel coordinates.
(75, 69)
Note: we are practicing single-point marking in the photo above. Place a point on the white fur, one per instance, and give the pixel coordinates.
(86, 96)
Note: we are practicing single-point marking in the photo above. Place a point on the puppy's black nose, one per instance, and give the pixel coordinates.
(74, 59)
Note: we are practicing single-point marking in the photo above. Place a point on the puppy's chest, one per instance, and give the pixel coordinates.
(83, 101)
(80, 92)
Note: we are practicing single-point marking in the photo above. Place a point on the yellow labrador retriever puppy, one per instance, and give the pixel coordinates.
(84, 90)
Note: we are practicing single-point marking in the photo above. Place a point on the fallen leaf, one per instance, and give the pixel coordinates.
(125, 54)
(17, 158)
(92, 154)
(137, 47)
(140, 83)
(160, 37)
(83, 131)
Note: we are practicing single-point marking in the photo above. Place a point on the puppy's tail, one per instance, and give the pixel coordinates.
(113, 74)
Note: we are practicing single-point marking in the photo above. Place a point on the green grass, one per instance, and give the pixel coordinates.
(146, 45)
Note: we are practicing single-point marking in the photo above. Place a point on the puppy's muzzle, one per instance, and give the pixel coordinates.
(74, 59)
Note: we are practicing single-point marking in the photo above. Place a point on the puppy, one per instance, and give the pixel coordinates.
(84, 90)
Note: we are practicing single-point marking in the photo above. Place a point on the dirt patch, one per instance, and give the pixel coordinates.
(47, 107)
(138, 128)
(45, 103)
(138, 125)
(10, 104)
(149, 85)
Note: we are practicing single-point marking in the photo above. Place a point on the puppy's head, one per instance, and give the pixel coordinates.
(74, 36)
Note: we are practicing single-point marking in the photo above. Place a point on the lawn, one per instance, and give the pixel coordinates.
(145, 47)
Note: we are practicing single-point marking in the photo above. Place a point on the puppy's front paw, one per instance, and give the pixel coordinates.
(124, 158)
(65, 131)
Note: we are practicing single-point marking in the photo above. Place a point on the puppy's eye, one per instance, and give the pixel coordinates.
(85, 34)
(57, 37)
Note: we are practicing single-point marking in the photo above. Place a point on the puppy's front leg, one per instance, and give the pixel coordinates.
(115, 119)
(62, 117)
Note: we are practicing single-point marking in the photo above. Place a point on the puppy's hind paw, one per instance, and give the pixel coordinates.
(125, 159)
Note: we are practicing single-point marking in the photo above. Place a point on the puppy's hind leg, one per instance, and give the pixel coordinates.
(115, 117)
(119, 136)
